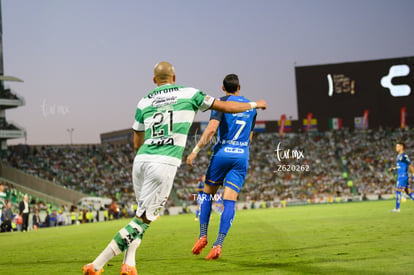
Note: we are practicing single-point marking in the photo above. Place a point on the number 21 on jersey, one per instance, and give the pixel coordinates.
(162, 128)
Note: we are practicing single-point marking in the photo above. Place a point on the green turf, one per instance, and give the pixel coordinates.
(353, 238)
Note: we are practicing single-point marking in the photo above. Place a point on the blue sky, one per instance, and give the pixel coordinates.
(85, 64)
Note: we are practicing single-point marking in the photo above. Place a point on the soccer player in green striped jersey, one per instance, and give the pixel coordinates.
(2, 198)
(162, 122)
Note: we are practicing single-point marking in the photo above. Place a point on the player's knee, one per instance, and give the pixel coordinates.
(210, 189)
(144, 218)
(230, 194)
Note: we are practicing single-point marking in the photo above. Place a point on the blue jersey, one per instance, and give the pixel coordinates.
(403, 162)
(234, 131)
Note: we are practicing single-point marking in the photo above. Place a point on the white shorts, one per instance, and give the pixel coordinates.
(152, 186)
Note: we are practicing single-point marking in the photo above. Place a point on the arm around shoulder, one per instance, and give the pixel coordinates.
(237, 107)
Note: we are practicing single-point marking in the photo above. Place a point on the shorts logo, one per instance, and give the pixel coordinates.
(156, 212)
(396, 71)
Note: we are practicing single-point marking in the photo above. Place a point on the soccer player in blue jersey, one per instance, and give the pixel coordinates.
(228, 164)
(403, 165)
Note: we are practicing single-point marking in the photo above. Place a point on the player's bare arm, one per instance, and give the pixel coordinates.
(138, 139)
(208, 134)
(393, 168)
(237, 107)
(411, 168)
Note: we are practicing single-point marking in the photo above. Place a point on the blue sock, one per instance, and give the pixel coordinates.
(226, 220)
(205, 211)
(398, 200)
(412, 195)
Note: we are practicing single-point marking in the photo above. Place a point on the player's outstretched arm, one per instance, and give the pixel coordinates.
(237, 107)
(391, 169)
(206, 137)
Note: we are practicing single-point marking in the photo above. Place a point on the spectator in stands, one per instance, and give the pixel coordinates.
(53, 218)
(36, 219)
(25, 211)
(2, 198)
(60, 219)
(47, 220)
(113, 209)
(6, 226)
(73, 216)
(18, 220)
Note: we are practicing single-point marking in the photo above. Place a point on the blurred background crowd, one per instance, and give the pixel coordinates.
(334, 164)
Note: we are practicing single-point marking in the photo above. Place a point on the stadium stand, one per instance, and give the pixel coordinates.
(341, 164)
(7, 94)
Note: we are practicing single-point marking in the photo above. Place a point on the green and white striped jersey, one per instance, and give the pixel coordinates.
(3, 197)
(166, 115)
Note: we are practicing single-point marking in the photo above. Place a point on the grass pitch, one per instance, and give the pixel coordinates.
(352, 238)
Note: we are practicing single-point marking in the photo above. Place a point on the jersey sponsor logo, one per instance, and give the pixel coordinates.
(162, 101)
(234, 150)
(163, 91)
(162, 141)
(242, 114)
(235, 142)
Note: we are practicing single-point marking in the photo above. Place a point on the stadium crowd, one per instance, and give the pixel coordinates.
(98, 170)
(42, 213)
(334, 163)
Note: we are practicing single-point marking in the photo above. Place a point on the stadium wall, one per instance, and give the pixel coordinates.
(42, 188)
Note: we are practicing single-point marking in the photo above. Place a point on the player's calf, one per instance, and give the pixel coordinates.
(132, 231)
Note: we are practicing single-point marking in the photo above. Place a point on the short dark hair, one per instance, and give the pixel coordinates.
(231, 83)
(401, 143)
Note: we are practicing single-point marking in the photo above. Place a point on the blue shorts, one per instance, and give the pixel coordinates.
(403, 183)
(229, 172)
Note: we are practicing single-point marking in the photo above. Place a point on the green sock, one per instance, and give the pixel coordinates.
(121, 241)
